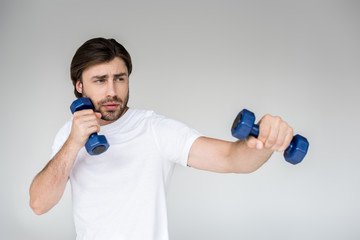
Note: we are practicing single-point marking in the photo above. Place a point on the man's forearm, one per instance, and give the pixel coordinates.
(244, 159)
(49, 185)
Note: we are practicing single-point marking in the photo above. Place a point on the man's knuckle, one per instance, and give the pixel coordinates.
(291, 130)
(267, 116)
(271, 140)
(284, 125)
(77, 119)
(264, 133)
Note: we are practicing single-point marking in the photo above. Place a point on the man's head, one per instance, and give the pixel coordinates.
(100, 70)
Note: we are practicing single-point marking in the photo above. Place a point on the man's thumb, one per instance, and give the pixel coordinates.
(98, 115)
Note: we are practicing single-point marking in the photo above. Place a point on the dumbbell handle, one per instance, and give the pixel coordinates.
(255, 131)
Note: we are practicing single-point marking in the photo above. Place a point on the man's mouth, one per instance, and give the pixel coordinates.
(111, 106)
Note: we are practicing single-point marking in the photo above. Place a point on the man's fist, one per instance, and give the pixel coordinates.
(85, 122)
(274, 134)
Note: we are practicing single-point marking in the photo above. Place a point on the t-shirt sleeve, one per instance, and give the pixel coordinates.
(174, 139)
(60, 138)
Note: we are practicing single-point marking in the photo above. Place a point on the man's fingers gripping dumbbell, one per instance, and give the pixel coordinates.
(85, 122)
(265, 130)
(274, 133)
(253, 142)
(284, 136)
(289, 132)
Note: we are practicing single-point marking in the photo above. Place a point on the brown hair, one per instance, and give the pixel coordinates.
(95, 51)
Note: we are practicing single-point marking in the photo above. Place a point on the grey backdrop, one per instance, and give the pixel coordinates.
(199, 62)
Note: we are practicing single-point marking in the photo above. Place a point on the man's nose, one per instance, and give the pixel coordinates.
(110, 91)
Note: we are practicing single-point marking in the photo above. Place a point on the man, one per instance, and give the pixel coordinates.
(121, 193)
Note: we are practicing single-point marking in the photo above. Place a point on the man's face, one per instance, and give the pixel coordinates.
(107, 85)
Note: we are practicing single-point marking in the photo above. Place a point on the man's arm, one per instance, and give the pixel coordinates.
(242, 156)
(49, 185)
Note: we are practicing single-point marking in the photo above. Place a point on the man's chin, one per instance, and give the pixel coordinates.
(110, 116)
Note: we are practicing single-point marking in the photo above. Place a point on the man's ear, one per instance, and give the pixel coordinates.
(79, 86)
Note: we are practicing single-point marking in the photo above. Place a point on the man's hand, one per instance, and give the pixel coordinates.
(85, 122)
(274, 134)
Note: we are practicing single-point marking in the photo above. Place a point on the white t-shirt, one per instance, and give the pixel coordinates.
(121, 193)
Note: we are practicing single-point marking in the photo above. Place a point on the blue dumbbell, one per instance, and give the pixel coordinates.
(96, 144)
(244, 126)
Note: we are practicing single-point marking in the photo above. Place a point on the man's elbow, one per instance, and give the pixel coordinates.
(37, 207)
(38, 211)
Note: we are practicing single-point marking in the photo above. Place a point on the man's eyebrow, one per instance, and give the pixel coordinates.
(120, 74)
(100, 77)
(106, 76)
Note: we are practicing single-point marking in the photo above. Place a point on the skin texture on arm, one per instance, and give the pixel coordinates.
(242, 156)
(48, 186)
(226, 157)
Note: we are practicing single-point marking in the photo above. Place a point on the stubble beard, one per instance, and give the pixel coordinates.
(111, 115)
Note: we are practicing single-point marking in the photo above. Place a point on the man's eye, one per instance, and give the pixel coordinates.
(120, 79)
(99, 81)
